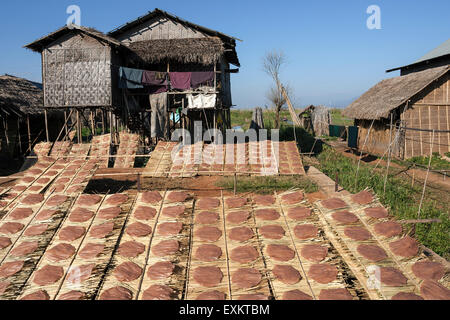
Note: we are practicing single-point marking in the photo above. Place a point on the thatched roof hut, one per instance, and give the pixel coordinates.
(417, 103)
(22, 116)
(390, 94)
(20, 96)
(84, 68)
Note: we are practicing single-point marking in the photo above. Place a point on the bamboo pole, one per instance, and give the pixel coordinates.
(65, 123)
(92, 123)
(389, 157)
(29, 131)
(426, 177)
(20, 138)
(294, 116)
(46, 125)
(78, 127)
(5, 127)
(103, 120)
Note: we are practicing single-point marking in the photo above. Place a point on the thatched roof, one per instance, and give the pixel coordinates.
(161, 13)
(20, 96)
(206, 51)
(43, 42)
(192, 46)
(392, 93)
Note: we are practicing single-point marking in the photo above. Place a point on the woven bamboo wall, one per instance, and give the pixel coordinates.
(378, 141)
(77, 73)
(430, 111)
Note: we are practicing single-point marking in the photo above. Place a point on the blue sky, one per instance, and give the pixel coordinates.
(332, 56)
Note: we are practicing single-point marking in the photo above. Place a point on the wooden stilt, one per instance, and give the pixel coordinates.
(29, 132)
(103, 121)
(46, 125)
(78, 127)
(5, 127)
(65, 123)
(110, 124)
(92, 123)
(20, 138)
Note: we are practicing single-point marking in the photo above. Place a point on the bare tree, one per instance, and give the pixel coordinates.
(272, 64)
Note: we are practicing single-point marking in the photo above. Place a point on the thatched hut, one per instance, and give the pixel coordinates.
(415, 104)
(22, 116)
(316, 119)
(84, 69)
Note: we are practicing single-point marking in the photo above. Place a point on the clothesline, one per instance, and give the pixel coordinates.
(136, 79)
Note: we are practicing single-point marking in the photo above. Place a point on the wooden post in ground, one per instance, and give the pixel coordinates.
(29, 132)
(92, 123)
(65, 123)
(46, 125)
(336, 185)
(389, 156)
(103, 121)
(78, 127)
(235, 183)
(110, 124)
(20, 138)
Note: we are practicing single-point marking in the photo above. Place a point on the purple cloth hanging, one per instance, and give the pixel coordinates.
(199, 78)
(154, 78)
(180, 80)
(157, 89)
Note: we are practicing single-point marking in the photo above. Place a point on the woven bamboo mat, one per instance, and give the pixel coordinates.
(176, 282)
(194, 288)
(372, 281)
(264, 287)
(90, 286)
(101, 147)
(345, 278)
(52, 289)
(40, 241)
(160, 160)
(405, 264)
(144, 240)
(127, 150)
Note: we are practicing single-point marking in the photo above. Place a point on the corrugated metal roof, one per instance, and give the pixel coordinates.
(440, 51)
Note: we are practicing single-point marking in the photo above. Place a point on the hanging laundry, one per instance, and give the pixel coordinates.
(180, 80)
(154, 78)
(202, 78)
(201, 101)
(157, 89)
(130, 78)
(158, 104)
